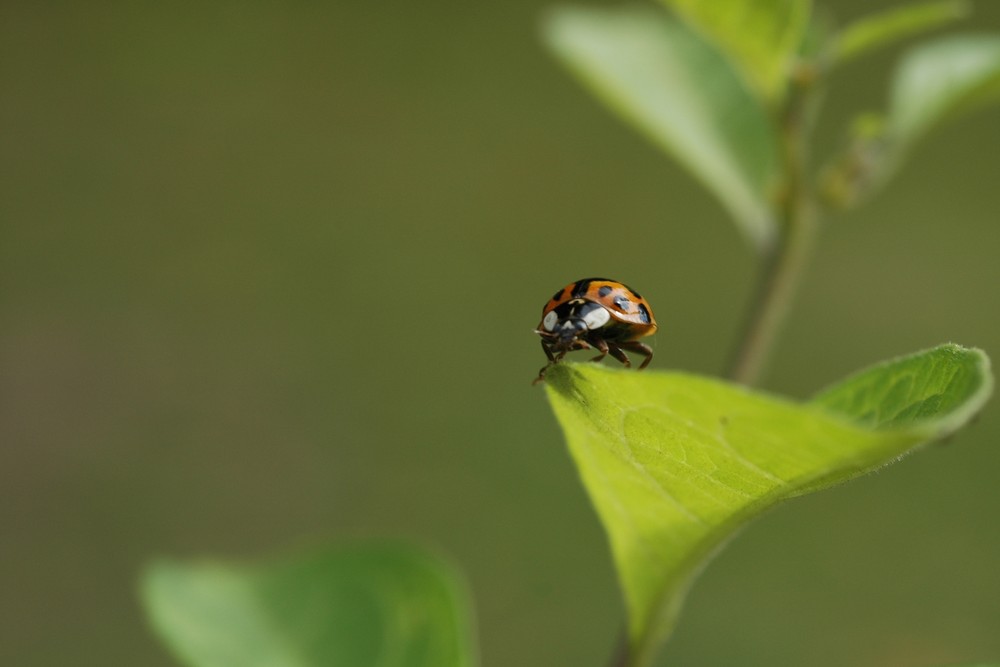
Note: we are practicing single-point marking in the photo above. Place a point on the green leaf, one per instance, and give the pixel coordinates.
(683, 95)
(761, 37)
(940, 80)
(935, 82)
(676, 463)
(385, 606)
(882, 29)
(925, 393)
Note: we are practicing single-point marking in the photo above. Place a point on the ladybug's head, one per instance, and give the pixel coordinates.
(564, 333)
(567, 323)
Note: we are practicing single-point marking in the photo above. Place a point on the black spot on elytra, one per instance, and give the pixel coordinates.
(580, 287)
(558, 294)
(635, 294)
(604, 291)
(624, 304)
(644, 314)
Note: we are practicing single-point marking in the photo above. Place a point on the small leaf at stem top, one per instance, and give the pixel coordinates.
(940, 80)
(936, 82)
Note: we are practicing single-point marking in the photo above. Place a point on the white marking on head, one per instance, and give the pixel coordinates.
(596, 318)
(549, 323)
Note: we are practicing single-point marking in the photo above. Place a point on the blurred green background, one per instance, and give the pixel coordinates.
(269, 277)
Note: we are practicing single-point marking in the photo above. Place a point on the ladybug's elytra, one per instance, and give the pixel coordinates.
(596, 313)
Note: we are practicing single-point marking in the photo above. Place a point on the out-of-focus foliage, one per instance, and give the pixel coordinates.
(939, 80)
(686, 95)
(389, 606)
(761, 37)
(683, 95)
(883, 29)
(936, 82)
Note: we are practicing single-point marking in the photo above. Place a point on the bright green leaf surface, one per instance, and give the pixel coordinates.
(940, 80)
(675, 463)
(885, 28)
(683, 95)
(367, 606)
(761, 37)
(928, 391)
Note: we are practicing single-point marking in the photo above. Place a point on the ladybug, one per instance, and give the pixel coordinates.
(595, 313)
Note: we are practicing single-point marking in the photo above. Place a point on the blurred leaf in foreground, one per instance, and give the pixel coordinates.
(676, 463)
(884, 28)
(683, 95)
(366, 606)
(761, 37)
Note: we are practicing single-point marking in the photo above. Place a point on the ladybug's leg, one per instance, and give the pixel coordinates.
(617, 353)
(541, 372)
(639, 348)
(602, 346)
(553, 359)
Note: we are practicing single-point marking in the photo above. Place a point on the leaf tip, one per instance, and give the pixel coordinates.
(935, 391)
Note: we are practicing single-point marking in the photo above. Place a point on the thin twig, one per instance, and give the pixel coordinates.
(784, 262)
(781, 275)
(621, 656)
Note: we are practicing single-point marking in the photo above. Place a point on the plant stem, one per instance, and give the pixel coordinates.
(622, 655)
(785, 261)
(781, 273)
